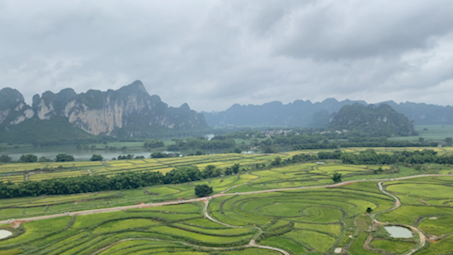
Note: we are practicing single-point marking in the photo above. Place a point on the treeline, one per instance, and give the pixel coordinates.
(130, 180)
(406, 157)
(27, 158)
(367, 144)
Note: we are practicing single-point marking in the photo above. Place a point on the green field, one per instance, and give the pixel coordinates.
(299, 220)
(429, 132)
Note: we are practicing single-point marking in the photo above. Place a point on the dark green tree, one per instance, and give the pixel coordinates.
(64, 158)
(369, 210)
(96, 157)
(154, 144)
(44, 159)
(158, 154)
(5, 158)
(211, 171)
(277, 161)
(203, 190)
(336, 177)
(235, 168)
(28, 158)
(449, 141)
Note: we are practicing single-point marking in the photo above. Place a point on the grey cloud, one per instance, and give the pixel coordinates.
(212, 54)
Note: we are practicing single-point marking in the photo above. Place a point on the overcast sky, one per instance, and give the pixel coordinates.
(212, 54)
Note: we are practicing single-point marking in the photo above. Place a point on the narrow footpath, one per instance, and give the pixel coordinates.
(252, 242)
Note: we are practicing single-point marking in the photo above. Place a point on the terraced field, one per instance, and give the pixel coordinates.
(283, 210)
(17, 172)
(303, 221)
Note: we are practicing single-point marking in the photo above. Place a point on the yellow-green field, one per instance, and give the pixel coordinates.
(298, 221)
(312, 221)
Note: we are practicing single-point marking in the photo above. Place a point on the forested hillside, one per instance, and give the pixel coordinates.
(372, 120)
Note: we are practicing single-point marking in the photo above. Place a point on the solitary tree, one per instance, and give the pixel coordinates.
(369, 210)
(28, 158)
(277, 161)
(235, 168)
(64, 158)
(203, 190)
(96, 157)
(5, 158)
(336, 177)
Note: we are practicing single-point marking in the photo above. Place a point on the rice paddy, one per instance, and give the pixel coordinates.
(292, 209)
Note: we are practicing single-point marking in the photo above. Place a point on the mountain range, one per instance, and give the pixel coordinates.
(307, 114)
(130, 112)
(127, 112)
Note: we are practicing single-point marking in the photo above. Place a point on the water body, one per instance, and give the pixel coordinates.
(4, 234)
(399, 232)
(79, 154)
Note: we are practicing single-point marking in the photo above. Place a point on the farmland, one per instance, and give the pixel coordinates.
(292, 208)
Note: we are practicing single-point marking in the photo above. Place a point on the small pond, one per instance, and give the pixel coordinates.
(4, 234)
(399, 232)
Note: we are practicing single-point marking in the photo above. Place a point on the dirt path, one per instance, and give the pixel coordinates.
(173, 202)
(252, 242)
(397, 204)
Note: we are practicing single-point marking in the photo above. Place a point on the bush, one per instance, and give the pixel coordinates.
(28, 158)
(203, 190)
(5, 158)
(64, 158)
(96, 157)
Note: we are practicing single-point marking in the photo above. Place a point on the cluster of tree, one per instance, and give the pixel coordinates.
(158, 154)
(203, 190)
(154, 144)
(123, 157)
(407, 157)
(94, 183)
(367, 144)
(81, 184)
(27, 158)
(96, 157)
(5, 159)
(128, 156)
(64, 158)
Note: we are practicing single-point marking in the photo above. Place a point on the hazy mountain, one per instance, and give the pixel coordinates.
(307, 114)
(127, 112)
(299, 113)
(372, 120)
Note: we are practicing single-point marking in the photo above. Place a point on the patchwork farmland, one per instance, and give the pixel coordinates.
(292, 209)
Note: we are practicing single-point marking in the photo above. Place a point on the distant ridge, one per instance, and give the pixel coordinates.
(307, 114)
(372, 120)
(124, 113)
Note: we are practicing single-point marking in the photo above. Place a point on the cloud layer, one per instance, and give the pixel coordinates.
(212, 54)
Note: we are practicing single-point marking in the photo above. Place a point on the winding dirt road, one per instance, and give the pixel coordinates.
(397, 204)
(252, 242)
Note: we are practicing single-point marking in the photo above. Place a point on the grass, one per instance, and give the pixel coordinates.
(302, 221)
(396, 246)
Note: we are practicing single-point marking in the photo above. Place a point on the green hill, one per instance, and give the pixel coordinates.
(372, 120)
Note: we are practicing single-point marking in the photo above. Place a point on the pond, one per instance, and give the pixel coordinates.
(399, 232)
(4, 234)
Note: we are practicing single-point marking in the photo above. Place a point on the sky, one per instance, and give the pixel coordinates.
(212, 54)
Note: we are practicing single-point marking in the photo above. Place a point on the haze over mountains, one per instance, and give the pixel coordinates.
(308, 114)
(127, 112)
(130, 112)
